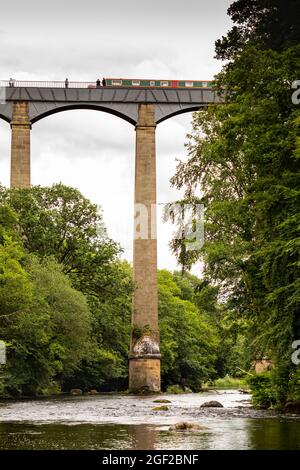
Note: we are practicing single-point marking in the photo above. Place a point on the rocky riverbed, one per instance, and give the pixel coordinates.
(132, 422)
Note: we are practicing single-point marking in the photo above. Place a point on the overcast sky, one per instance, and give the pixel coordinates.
(91, 150)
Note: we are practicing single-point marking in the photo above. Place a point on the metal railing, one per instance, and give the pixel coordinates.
(46, 84)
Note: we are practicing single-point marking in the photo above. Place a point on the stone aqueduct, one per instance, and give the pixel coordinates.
(26, 103)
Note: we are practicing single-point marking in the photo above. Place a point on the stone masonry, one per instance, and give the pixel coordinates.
(144, 358)
(20, 146)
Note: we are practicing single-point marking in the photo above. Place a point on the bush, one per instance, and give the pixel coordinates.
(294, 386)
(262, 388)
(228, 382)
(176, 389)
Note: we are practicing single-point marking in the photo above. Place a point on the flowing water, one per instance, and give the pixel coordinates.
(116, 421)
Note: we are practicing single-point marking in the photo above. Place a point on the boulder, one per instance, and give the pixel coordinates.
(145, 390)
(212, 404)
(94, 392)
(76, 391)
(184, 426)
(161, 400)
(160, 408)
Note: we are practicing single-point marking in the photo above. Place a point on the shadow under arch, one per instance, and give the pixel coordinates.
(73, 107)
(4, 118)
(192, 109)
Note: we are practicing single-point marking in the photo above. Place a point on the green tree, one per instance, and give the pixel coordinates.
(60, 222)
(266, 24)
(107, 366)
(244, 161)
(232, 353)
(48, 335)
(188, 343)
(15, 287)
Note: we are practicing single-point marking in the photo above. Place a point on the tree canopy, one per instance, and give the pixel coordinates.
(265, 24)
(65, 301)
(243, 166)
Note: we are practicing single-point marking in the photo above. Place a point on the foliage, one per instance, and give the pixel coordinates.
(65, 300)
(277, 387)
(263, 23)
(58, 221)
(15, 288)
(228, 382)
(188, 342)
(232, 353)
(262, 390)
(48, 335)
(243, 166)
(107, 367)
(8, 220)
(176, 389)
(138, 331)
(294, 386)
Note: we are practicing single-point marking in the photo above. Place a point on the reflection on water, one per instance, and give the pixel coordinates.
(126, 422)
(261, 434)
(144, 437)
(276, 434)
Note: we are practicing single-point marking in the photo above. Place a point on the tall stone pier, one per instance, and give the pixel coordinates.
(20, 146)
(144, 357)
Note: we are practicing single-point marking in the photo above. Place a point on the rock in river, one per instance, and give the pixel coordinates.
(76, 391)
(161, 400)
(160, 408)
(212, 404)
(183, 426)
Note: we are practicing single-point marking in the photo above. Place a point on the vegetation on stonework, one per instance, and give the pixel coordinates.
(65, 302)
(243, 166)
(138, 331)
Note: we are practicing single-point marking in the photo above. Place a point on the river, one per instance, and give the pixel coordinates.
(116, 421)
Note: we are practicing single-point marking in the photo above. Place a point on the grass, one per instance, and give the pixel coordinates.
(176, 389)
(229, 383)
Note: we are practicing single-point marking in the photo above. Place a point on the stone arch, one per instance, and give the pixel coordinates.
(85, 106)
(179, 111)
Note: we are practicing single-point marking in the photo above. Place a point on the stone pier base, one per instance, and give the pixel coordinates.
(144, 375)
